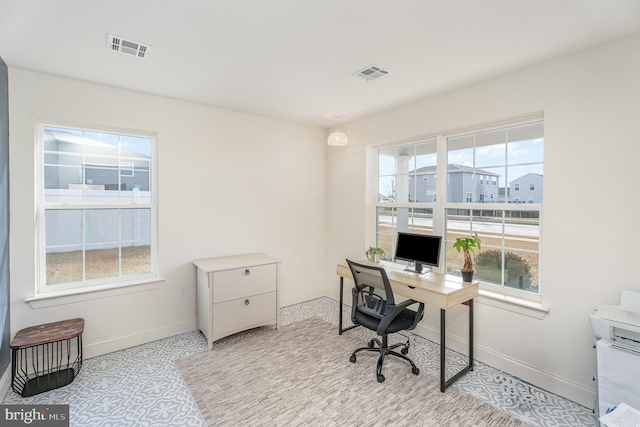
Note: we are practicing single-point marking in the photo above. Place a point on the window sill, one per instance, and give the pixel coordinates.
(515, 305)
(70, 296)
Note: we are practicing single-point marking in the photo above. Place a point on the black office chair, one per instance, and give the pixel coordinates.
(381, 315)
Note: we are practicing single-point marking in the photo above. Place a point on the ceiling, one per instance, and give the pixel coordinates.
(294, 59)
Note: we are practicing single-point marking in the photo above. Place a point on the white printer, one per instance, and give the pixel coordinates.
(617, 334)
(619, 326)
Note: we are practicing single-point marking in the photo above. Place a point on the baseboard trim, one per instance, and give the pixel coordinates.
(126, 341)
(540, 378)
(5, 381)
(545, 380)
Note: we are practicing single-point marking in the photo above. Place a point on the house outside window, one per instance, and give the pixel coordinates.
(482, 171)
(126, 169)
(96, 207)
(532, 186)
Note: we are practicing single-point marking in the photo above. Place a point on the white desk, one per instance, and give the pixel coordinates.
(435, 289)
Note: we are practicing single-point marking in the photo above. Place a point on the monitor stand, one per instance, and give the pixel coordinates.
(418, 268)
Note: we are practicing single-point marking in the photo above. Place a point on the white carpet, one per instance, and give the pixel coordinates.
(300, 375)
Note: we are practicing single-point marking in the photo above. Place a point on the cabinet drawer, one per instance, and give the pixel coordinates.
(237, 315)
(242, 282)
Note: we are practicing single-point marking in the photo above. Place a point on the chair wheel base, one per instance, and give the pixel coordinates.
(380, 378)
(352, 359)
(415, 371)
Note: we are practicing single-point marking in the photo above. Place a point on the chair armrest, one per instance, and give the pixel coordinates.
(392, 312)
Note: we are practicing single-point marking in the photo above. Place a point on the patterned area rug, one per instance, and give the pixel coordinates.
(301, 375)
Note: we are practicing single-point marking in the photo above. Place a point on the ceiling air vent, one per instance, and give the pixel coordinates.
(371, 72)
(128, 47)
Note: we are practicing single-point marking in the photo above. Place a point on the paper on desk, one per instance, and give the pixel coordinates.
(630, 300)
(623, 416)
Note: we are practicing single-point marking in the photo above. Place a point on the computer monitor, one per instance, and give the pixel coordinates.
(421, 249)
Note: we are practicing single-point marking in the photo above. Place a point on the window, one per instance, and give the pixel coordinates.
(481, 173)
(425, 178)
(398, 165)
(96, 207)
(532, 186)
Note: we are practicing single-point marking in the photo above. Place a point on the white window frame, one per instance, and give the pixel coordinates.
(42, 289)
(440, 205)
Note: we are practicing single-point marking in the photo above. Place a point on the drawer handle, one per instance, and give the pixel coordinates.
(246, 302)
(247, 272)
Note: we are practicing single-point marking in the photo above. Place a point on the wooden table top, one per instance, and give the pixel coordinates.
(48, 332)
(441, 290)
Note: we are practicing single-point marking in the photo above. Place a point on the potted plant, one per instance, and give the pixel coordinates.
(374, 254)
(467, 245)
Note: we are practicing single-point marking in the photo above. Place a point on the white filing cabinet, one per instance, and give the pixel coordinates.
(236, 293)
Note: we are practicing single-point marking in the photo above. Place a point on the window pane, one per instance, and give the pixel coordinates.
(387, 189)
(136, 241)
(488, 266)
(525, 144)
(101, 262)
(64, 266)
(520, 180)
(102, 139)
(136, 259)
(426, 155)
(63, 228)
(60, 178)
(404, 190)
(63, 246)
(421, 221)
(386, 229)
(133, 146)
(522, 230)
(101, 226)
(519, 270)
(387, 162)
(405, 159)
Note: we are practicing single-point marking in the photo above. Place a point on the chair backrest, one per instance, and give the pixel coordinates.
(369, 275)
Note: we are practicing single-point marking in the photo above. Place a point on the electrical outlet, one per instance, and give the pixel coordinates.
(183, 291)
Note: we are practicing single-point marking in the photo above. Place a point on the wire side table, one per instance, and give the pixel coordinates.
(43, 357)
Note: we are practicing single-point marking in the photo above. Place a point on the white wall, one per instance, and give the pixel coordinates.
(591, 105)
(229, 183)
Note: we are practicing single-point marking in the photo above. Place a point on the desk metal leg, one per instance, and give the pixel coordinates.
(446, 383)
(340, 330)
(443, 320)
